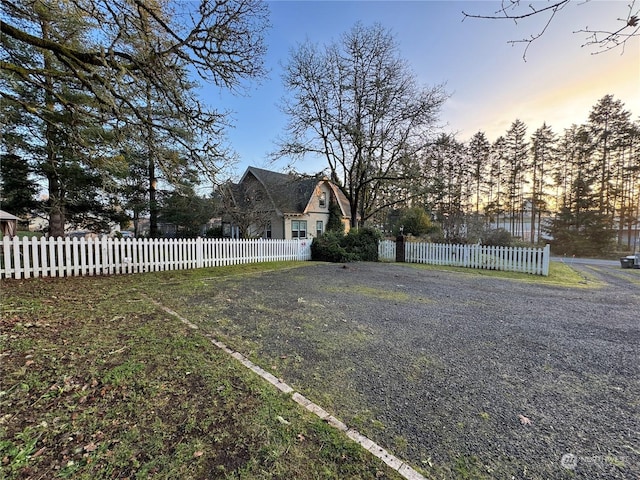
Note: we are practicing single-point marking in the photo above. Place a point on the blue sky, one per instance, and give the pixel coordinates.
(489, 82)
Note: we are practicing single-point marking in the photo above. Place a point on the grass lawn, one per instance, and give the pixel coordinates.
(96, 382)
(560, 274)
(25, 233)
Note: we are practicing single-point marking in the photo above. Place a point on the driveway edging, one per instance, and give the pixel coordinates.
(404, 469)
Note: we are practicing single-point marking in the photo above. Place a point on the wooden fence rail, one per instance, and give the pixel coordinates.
(514, 259)
(64, 257)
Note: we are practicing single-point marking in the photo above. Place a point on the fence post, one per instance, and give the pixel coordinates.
(546, 257)
(199, 252)
(400, 249)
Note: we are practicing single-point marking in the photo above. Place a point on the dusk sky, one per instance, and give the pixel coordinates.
(489, 82)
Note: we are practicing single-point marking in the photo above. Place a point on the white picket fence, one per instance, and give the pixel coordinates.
(387, 250)
(512, 259)
(65, 257)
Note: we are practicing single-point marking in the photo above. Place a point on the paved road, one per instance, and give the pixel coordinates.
(586, 261)
(607, 271)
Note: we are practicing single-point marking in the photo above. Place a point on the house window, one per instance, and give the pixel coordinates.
(319, 228)
(323, 200)
(298, 229)
(267, 230)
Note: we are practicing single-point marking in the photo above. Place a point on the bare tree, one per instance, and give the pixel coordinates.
(601, 40)
(356, 103)
(247, 206)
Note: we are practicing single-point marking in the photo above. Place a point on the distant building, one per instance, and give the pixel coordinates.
(8, 224)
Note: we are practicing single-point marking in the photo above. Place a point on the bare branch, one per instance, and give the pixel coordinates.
(603, 40)
(512, 5)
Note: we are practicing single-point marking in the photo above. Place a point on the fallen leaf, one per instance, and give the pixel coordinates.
(39, 452)
(197, 454)
(90, 447)
(524, 420)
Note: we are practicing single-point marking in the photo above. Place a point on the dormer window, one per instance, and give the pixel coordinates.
(323, 200)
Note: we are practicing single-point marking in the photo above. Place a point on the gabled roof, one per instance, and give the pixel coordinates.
(7, 216)
(290, 194)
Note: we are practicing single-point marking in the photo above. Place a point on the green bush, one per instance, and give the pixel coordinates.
(414, 221)
(498, 237)
(328, 248)
(363, 244)
(357, 245)
(214, 232)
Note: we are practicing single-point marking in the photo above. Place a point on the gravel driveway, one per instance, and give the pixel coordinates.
(463, 376)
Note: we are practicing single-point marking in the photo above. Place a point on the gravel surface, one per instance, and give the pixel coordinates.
(463, 376)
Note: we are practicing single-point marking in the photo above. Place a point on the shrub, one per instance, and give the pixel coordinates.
(357, 245)
(328, 248)
(498, 237)
(414, 221)
(363, 244)
(214, 232)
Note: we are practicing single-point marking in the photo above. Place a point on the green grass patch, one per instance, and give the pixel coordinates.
(366, 291)
(97, 382)
(24, 233)
(560, 274)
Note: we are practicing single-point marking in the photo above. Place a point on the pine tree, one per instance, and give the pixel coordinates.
(495, 201)
(608, 123)
(479, 150)
(77, 63)
(542, 157)
(18, 189)
(516, 167)
(579, 227)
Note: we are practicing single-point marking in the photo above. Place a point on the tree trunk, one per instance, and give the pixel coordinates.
(151, 152)
(57, 216)
(153, 204)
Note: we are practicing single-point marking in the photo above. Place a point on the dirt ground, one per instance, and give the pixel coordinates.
(461, 375)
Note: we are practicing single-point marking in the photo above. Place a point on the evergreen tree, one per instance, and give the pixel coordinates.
(69, 65)
(414, 221)
(579, 227)
(608, 124)
(516, 168)
(495, 193)
(542, 157)
(186, 210)
(334, 223)
(18, 190)
(479, 150)
(629, 214)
